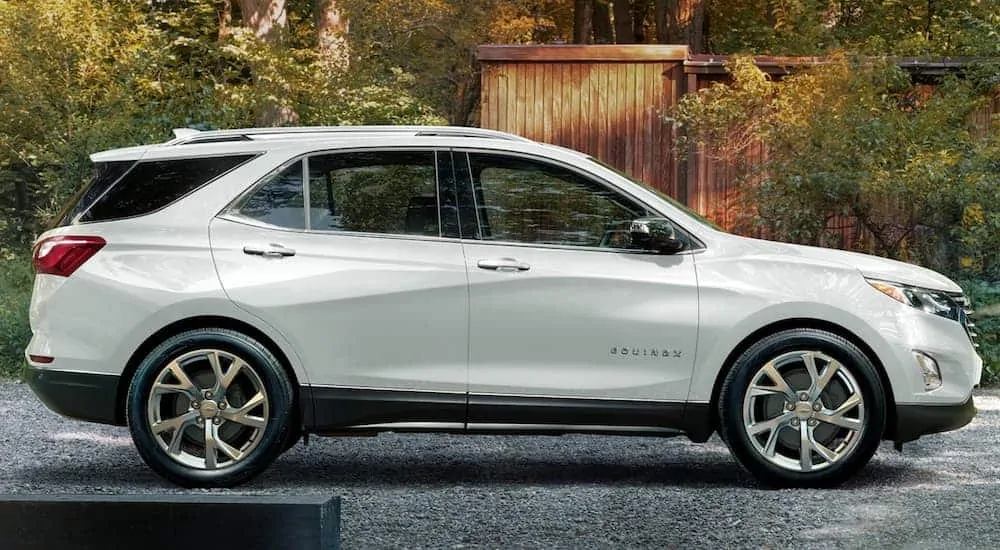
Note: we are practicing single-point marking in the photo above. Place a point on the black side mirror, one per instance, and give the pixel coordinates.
(655, 235)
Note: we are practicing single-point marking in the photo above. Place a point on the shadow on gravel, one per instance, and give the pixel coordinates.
(318, 467)
(400, 471)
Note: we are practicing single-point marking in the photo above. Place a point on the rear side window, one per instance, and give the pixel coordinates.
(152, 185)
(279, 201)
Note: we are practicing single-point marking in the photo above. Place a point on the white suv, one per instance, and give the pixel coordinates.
(226, 292)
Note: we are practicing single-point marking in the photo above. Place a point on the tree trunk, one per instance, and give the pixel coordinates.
(603, 33)
(681, 22)
(469, 93)
(583, 21)
(331, 34)
(660, 11)
(623, 22)
(640, 10)
(266, 18)
(225, 19)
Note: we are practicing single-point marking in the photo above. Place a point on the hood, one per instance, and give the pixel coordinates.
(873, 267)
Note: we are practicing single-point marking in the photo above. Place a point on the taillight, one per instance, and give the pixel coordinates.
(64, 254)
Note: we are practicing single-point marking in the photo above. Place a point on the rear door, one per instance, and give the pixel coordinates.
(364, 282)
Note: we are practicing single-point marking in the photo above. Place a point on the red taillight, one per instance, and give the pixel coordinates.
(64, 254)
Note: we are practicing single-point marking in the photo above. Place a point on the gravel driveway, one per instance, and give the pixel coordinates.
(568, 492)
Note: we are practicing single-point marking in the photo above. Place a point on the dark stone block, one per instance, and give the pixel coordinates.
(154, 522)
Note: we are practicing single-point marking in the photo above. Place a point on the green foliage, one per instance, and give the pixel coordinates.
(875, 27)
(986, 302)
(15, 293)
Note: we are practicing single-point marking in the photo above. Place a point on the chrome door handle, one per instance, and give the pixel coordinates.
(503, 264)
(270, 251)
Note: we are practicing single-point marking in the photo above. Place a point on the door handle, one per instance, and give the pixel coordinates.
(503, 264)
(270, 251)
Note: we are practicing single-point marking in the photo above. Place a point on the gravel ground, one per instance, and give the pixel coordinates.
(439, 491)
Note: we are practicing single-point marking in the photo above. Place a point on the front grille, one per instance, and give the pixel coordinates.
(963, 317)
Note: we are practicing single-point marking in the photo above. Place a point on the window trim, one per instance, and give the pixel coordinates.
(254, 155)
(227, 214)
(697, 245)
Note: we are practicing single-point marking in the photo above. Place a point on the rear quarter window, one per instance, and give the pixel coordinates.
(151, 185)
(105, 175)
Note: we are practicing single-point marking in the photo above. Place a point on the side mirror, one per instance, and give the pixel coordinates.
(655, 235)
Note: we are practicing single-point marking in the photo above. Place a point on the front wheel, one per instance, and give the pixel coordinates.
(802, 408)
(210, 408)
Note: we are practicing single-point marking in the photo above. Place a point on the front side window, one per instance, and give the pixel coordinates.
(525, 201)
(392, 192)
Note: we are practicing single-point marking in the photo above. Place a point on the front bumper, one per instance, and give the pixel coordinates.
(84, 396)
(913, 421)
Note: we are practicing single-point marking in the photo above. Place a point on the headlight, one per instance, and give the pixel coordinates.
(934, 302)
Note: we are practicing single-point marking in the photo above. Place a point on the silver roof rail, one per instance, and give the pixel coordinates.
(191, 136)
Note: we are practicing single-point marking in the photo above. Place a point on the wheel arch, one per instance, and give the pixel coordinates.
(191, 323)
(807, 323)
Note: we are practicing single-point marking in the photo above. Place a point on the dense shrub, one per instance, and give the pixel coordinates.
(15, 293)
(986, 301)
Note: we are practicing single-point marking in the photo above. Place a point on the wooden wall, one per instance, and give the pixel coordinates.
(607, 101)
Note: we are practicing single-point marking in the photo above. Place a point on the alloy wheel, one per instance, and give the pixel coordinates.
(804, 411)
(208, 409)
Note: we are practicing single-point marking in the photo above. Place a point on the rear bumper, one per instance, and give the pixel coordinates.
(913, 421)
(84, 396)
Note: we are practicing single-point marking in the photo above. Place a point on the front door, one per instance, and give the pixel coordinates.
(569, 324)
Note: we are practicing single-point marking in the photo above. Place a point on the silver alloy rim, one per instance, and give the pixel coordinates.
(208, 409)
(804, 411)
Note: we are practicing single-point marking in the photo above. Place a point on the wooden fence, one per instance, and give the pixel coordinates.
(610, 102)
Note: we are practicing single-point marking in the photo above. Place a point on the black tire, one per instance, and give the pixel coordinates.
(747, 368)
(269, 443)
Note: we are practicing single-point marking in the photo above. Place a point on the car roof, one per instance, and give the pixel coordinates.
(190, 142)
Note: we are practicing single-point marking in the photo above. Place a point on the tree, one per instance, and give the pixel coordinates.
(266, 18)
(583, 21)
(603, 31)
(331, 34)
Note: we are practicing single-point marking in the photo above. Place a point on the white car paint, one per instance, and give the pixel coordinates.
(350, 309)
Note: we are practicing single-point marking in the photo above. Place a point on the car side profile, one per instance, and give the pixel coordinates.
(226, 292)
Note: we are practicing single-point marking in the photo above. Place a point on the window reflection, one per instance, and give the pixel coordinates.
(525, 201)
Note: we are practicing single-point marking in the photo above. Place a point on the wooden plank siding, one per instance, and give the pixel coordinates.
(606, 101)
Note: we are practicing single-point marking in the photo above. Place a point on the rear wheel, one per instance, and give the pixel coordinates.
(210, 408)
(802, 408)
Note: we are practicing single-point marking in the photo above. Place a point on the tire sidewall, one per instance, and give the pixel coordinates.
(275, 383)
(738, 382)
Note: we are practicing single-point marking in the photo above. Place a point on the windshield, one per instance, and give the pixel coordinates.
(680, 206)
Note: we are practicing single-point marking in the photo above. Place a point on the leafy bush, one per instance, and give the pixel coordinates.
(986, 303)
(16, 279)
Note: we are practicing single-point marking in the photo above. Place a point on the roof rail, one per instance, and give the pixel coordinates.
(186, 136)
